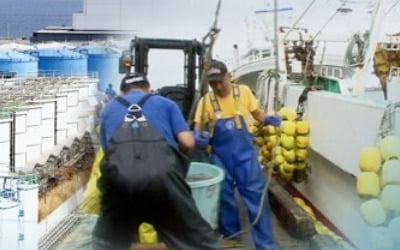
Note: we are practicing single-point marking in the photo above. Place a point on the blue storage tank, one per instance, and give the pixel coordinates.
(103, 60)
(13, 63)
(61, 62)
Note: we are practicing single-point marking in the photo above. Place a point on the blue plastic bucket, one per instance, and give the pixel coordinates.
(205, 182)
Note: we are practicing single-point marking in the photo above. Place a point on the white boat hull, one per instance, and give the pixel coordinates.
(340, 127)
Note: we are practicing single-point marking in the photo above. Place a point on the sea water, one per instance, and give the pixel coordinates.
(19, 18)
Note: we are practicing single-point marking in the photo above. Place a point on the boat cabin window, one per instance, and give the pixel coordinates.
(324, 71)
(338, 73)
(330, 72)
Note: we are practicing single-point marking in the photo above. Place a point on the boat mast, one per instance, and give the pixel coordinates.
(276, 31)
(375, 28)
(276, 102)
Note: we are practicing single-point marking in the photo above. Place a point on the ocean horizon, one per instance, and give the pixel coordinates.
(20, 18)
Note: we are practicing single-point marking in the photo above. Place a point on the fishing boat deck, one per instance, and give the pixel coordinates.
(80, 234)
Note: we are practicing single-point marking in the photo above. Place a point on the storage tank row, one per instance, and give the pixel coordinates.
(104, 61)
(99, 60)
(14, 63)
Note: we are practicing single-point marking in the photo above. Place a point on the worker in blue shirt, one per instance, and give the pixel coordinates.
(168, 206)
(110, 92)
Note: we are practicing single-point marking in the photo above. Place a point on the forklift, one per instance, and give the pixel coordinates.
(135, 59)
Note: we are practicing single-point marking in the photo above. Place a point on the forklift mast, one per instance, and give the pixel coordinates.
(137, 58)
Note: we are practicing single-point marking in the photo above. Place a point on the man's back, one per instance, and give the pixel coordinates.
(161, 112)
(143, 171)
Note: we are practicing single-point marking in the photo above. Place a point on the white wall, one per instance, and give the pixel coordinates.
(103, 15)
(340, 125)
(334, 193)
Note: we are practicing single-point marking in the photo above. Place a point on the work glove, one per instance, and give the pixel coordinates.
(201, 139)
(274, 120)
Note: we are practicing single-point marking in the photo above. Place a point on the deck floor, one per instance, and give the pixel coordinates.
(79, 238)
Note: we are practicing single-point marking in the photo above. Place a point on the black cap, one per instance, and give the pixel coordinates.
(135, 78)
(217, 71)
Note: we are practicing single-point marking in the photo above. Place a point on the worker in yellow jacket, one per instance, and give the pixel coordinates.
(226, 109)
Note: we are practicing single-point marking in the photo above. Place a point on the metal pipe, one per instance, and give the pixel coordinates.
(277, 55)
(276, 45)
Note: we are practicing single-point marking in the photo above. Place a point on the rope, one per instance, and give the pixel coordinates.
(391, 8)
(302, 99)
(388, 121)
(299, 19)
(212, 35)
(329, 20)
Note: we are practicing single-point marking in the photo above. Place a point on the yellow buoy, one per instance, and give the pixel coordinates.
(271, 130)
(288, 128)
(309, 211)
(259, 141)
(301, 141)
(253, 129)
(288, 167)
(300, 165)
(302, 127)
(291, 115)
(370, 159)
(301, 154)
(368, 184)
(287, 141)
(279, 159)
(285, 175)
(290, 155)
(278, 150)
(299, 201)
(273, 140)
(283, 112)
(264, 131)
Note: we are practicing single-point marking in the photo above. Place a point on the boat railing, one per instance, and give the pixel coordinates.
(256, 56)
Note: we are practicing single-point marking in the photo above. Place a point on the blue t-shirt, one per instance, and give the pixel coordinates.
(163, 113)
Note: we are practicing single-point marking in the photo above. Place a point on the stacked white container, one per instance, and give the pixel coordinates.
(48, 123)
(33, 132)
(72, 112)
(5, 128)
(20, 141)
(61, 117)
